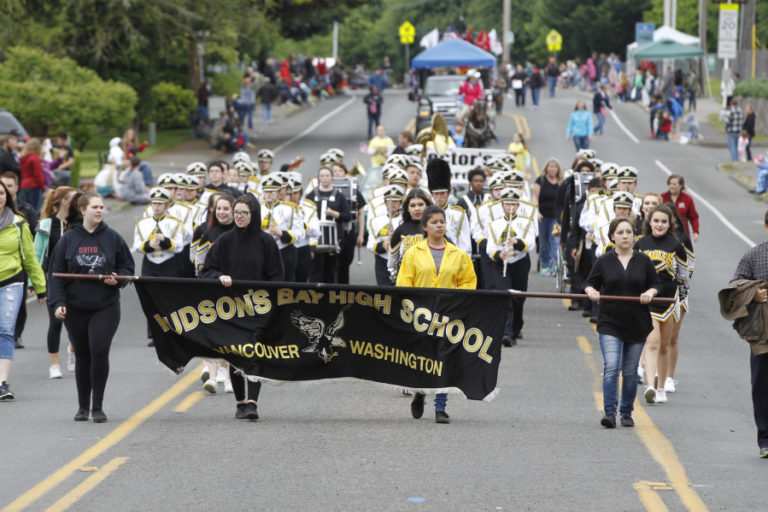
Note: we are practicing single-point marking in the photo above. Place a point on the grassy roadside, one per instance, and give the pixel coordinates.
(714, 120)
(90, 155)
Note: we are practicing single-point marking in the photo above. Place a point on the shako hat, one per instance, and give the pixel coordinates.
(159, 195)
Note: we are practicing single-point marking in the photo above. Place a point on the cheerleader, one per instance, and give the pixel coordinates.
(160, 238)
(457, 228)
(511, 238)
(220, 220)
(668, 256)
(331, 205)
(281, 221)
(380, 230)
(409, 232)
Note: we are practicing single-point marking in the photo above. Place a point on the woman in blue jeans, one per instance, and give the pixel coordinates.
(545, 190)
(17, 256)
(580, 126)
(622, 326)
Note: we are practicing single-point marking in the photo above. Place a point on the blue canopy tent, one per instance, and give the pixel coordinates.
(453, 52)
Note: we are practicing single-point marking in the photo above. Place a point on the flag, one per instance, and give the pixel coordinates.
(482, 40)
(423, 339)
(430, 39)
(496, 46)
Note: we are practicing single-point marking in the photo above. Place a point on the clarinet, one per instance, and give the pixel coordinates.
(507, 246)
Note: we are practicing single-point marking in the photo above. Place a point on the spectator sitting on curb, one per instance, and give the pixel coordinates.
(761, 182)
(131, 184)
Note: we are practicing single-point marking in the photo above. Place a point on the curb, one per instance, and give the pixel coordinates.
(746, 185)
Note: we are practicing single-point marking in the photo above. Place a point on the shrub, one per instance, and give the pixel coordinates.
(752, 88)
(54, 94)
(170, 105)
(227, 83)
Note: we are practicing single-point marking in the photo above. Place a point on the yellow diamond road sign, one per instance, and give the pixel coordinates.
(554, 41)
(407, 33)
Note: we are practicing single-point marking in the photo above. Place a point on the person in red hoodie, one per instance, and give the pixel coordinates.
(32, 179)
(683, 204)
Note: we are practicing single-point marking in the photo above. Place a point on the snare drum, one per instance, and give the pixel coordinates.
(328, 240)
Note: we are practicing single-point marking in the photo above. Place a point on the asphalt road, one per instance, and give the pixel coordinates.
(354, 446)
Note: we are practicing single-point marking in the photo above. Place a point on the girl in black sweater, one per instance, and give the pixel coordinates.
(622, 326)
(244, 252)
(410, 232)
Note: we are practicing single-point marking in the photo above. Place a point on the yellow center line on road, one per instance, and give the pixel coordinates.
(86, 485)
(660, 448)
(110, 440)
(648, 497)
(535, 164)
(517, 120)
(189, 401)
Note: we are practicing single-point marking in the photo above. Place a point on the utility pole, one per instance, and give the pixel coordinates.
(703, 69)
(335, 51)
(746, 33)
(506, 13)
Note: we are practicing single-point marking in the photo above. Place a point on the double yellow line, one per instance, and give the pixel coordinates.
(660, 448)
(522, 124)
(79, 463)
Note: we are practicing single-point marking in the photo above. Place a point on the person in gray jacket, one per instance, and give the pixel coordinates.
(132, 187)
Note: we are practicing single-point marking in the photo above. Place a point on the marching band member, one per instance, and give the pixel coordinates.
(435, 263)
(281, 221)
(308, 211)
(395, 176)
(216, 182)
(511, 238)
(415, 174)
(331, 205)
(244, 171)
(327, 159)
(160, 238)
(171, 183)
(409, 232)
(199, 171)
(486, 215)
(471, 201)
(669, 257)
(380, 230)
(622, 207)
(264, 158)
(457, 225)
(627, 182)
(354, 230)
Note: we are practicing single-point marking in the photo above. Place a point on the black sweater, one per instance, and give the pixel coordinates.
(628, 321)
(244, 253)
(79, 252)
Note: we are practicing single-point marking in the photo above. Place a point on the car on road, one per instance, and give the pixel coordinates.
(440, 95)
(9, 124)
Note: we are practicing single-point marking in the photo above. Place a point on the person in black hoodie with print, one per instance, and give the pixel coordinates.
(248, 253)
(90, 309)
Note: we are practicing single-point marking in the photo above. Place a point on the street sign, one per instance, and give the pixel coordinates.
(407, 33)
(644, 33)
(554, 41)
(727, 31)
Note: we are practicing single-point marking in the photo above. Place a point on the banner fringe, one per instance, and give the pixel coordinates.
(427, 391)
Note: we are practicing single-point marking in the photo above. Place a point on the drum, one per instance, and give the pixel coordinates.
(348, 187)
(327, 242)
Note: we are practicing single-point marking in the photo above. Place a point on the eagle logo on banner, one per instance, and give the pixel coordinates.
(322, 339)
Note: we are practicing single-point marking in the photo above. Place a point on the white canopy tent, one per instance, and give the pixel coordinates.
(660, 34)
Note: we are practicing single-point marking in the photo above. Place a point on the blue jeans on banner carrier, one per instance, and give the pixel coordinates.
(440, 400)
(733, 145)
(600, 123)
(625, 357)
(552, 83)
(581, 142)
(548, 243)
(10, 302)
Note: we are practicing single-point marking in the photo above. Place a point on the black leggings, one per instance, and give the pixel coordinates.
(91, 333)
(54, 331)
(239, 383)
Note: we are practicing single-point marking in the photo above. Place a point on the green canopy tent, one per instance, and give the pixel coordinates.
(667, 49)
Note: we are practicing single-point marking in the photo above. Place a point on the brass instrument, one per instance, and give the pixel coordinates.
(357, 169)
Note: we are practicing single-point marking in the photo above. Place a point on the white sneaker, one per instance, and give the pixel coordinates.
(661, 396)
(71, 362)
(670, 385)
(210, 386)
(228, 387)
(650, 395)
(640, 375)
(54, 372)
(205, 374)
(221, 375)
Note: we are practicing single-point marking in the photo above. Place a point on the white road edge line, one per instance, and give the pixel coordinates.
(714, 210)
(315, 124)
(624, 128)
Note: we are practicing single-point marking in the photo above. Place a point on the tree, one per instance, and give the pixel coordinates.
(49, 94)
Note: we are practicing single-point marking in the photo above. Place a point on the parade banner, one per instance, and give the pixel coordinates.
(463, 160)
(423, 339)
